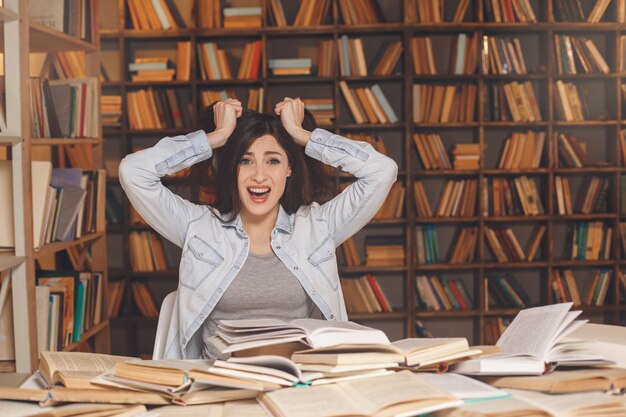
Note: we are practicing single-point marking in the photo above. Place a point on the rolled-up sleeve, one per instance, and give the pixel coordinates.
(375, 173)
(140, 175)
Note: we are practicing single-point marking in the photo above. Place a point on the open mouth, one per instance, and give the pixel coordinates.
(259, 194)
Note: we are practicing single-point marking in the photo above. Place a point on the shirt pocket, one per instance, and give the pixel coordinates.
(324, 260)
(198, 262)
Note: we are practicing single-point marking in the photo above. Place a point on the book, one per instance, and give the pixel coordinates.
(236, 335)
(534, 343)
(414, 352)
(399, 393)
(75, 369)
(560, 382)
(529, 403)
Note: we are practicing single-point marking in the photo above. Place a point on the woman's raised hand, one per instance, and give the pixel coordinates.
(291, 112)
(225, 113)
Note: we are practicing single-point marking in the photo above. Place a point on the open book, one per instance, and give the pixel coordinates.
(76, 369)
(403, 393)
(528, 403)
(534, 343)
(559, 382)
(415, 352)
(237, 335)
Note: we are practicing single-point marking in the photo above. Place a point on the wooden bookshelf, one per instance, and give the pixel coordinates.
(123, 43)
(21, 37)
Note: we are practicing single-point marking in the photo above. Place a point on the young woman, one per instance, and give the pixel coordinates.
(264, 249)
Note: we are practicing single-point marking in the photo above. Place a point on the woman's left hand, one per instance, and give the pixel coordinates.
(291, 112)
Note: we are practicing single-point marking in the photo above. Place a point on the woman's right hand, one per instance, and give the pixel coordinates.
(225, 113)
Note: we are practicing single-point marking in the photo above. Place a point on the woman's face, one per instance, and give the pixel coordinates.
(261, 177)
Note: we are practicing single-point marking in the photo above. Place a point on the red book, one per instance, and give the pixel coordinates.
(256, 60)
(378, 292)
(457, 294)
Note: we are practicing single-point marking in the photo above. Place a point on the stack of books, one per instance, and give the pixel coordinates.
(242, 17)
(322, 109)
(290, 66)
(151, 69)
(466, 156)
(111, 109)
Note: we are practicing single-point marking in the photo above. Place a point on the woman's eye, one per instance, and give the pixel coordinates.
(274, 161)
(246, 161)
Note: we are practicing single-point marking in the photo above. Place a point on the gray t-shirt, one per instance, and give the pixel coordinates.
(263, 288)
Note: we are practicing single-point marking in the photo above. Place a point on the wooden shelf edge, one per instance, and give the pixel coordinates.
(9, 140)
(7, 15)
(10, 261)
(65, 141)
(88, 334)
(7, 366)
(51, 248)
(44, 39)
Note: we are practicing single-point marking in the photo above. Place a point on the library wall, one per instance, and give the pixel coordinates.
(488, 129)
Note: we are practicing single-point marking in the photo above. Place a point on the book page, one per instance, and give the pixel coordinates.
(532, 330)
(415, 344)
(77, 364)
(246, 408)
(463, 387)
(321, 333)
(569, 403)
(21, 408)
(322, 401)
(205, 410)
(376, 394)
(504, 407)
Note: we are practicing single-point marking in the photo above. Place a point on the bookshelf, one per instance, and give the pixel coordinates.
(18, 265)
(121, 44)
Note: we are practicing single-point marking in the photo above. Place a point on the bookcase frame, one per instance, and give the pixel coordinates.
(20, 37)
(409, 313)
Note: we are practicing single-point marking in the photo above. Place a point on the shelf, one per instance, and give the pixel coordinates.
(445, 266)
(88, 334)
(455, 125)
(9, 140)
(516, 77)
(584, 217)
(586, 123)
(422, 314)
(9, 261)
(290, 31)
(299, 79)
(512, 172)
(586, 76)
(446, 173)
(395, 315)
(522, 218)
(44, 39)
(514, 265)
(566, 263)
(368, 126)
(7, 366)
(7, 15)
(55, 247)
(215, 83)
(172, 83)
(364, 269)
(440, 220)
(489, 124)
(155, 34)
(586, 170)
(65, 141)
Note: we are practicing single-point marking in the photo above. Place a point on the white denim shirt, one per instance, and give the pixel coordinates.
(213, 251)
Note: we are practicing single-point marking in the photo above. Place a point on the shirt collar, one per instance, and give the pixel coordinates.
(283, 222)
